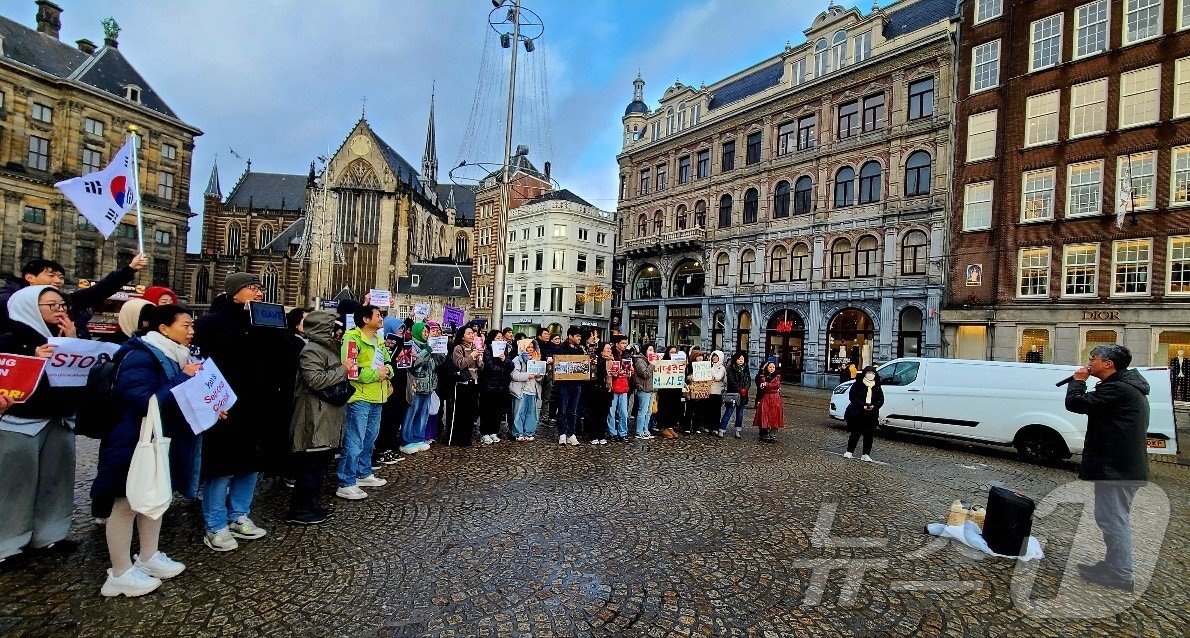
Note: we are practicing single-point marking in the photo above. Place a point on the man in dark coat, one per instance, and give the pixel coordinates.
(254, 360)
(1114, 453)
(44, 272)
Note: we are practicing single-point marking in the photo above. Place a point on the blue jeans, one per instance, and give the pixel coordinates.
(644, 412)
(569, 394)
(617, 415)
(192, 489)
(359, 437)
(226, 498)
(524, 420)
(739, 415)
(413, 429)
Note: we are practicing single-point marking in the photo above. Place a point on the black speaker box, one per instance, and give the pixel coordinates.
(1009, 521)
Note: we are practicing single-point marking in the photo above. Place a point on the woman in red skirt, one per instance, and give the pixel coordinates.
(770, 415)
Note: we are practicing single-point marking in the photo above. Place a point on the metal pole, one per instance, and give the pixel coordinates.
(140, 229)
(498, 286)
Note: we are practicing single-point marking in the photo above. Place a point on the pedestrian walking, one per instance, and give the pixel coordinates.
(642, 378)
(737, 381)
(1115, 455)
(316, 428)
(770, 413)
(494, 380)
(865, 399)
(368, 369)
(525, 388)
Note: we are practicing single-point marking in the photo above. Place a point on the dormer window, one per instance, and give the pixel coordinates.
(414, 280)
(458, 282)
(132, 93)
(821, 59)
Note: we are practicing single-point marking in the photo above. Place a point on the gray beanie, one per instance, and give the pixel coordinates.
(237, 281)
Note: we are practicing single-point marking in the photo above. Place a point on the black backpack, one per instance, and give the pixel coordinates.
(99, 405)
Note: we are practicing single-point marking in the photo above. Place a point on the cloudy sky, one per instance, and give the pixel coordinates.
(282, 81)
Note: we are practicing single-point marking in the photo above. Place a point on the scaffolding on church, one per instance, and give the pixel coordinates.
(320, 243)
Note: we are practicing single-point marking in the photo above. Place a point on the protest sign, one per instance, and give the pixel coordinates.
(380, 298)
(421, 310)
(19, 376)
(74, 358)
(653, 356)
(477, 342)
(498, 348)
(701, 370)
(452, 316)
(437, 344)
(404, 358)
(572, 367)
(204, 396)
(535, 367)
(613, 368)
(678, 356)
(669, 375)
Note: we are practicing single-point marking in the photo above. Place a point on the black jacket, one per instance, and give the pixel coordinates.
(1117, 422)
(496, 373)
(47, 401)
(81, 301)
(737, 378)
(857, 417)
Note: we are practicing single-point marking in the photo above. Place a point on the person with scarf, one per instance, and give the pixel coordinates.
(81, 302)
(461, 386)
(770, 413)
(669, 403)
(423, 382)
(133, 319)
(737, 380)
(316, 427)
(494, 380)
(152, 365)
(36, 437)
(642, 378)
(526, 389)
(863, 411)
(714, 402)
(618, 386)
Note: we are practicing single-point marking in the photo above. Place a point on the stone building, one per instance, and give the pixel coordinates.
(1070, 225)
(796, 208)
(558, 270)
(64, 112)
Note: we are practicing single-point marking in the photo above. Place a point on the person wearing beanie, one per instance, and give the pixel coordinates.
(159, 296)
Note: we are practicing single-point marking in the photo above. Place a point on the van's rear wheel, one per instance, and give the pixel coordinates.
(1042, 445)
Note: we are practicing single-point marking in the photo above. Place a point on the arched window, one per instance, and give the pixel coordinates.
(648, 283)
(845, 187)
(681, 217)
(700, 214)
(869, 182)
(681, 115)
(839, 49)
(867, 262)
(913, 253)
(799, 263)
(917, 174)
(803, 196)
(777, 264)
(841, 259)
(658, 222)
(234, 236)
(909, 341)
(688, 280)
(202, 286)
(264, 235)
(747, 262)
(461, 248)
(642, 226)
(781, 200)
(722, 265)
(268, 283)
(751, 205)
(670, 124)
(725, 211)
(821, 58)
(743, 327)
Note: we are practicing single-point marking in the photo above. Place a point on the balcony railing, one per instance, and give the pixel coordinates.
(673, 238)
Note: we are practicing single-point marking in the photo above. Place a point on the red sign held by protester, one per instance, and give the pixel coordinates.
(19, 376)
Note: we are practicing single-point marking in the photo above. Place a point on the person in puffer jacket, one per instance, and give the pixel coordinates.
(424, 374)
(714, 402)
(494, 380)
(642, 377)
(736, 382)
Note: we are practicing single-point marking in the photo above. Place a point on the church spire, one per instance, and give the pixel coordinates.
(213, 189)
(429, 160)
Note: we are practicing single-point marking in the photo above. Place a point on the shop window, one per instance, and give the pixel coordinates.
(688, 280)
(1173, 348)
(743, 331)
(1035, 346)
(1097, 338)
(717, 330)
(850, 335)
(909, 342)
(785, 339)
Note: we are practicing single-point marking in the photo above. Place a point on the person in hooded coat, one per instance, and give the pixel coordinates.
(316, 428)
(134, 318)
(770, 412)
(36, 437)
(865, 399)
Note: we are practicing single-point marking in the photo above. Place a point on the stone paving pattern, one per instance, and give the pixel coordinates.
(693, 537)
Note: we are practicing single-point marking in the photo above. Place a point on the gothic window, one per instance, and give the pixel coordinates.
(461, 249)
(264, 235)
(234, 233)
(268, 281)
(202, 286)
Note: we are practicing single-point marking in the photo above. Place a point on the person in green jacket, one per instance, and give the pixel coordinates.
(368, 367)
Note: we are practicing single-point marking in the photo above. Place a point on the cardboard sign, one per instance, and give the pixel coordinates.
(452, 316)
(204, 396)
(669, 375)
(701, 370)
(380, 298)
(74, 358)
(613, 368)
(572, 367)
(19, 376)
(438, 344)
(421, 310)
(536, 367)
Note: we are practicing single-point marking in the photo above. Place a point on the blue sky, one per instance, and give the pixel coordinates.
(281, 82)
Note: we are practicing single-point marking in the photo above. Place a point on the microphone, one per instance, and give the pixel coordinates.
(1064, 381)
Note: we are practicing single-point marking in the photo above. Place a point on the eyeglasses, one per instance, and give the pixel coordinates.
(56, 306)
(254, 288)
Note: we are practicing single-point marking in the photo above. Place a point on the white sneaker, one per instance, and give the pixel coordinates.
(352, 493)
(131, 583)
(159, 566)
(867, 458)
(848, 455)
(572, 440)
(603, 441)
(530, 438)
(496, 438)
(371, 480)
(423, 446)
(561, 439)
(220, 541)
(243, 527)
(409, 449)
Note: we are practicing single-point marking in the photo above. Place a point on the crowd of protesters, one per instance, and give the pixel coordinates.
(354, 384)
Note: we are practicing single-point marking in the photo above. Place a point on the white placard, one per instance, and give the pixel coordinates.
(74, 358)
(204, 396)
(498, 348)
(701, 370)
(536, 367)
(380, 298)
(438, 344)
(421, 310)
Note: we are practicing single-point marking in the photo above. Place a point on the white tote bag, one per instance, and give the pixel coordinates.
(148, 488)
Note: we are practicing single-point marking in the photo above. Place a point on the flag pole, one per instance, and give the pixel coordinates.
(140, 231)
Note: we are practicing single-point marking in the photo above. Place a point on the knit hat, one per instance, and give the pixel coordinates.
(153, 294)
(237, 281)
(771, 359)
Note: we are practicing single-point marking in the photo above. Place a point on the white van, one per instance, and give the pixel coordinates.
(1001, 403)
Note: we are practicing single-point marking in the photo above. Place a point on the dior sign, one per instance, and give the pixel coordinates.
(1101, 315)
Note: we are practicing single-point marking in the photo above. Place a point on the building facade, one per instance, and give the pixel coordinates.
(64, 112)
(796, 208)
(1070, 225)
(558, 270)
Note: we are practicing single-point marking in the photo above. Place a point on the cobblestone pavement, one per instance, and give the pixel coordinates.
(693, 537)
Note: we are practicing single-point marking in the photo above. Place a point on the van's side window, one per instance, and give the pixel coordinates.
(902, 373)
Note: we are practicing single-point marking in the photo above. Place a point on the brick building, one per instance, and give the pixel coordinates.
(1070, 223)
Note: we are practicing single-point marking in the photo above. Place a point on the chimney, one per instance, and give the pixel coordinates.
(86, 46)
(49, 18)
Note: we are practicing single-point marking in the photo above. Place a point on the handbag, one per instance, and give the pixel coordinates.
(337, 395)
(148, 485)
(731, 398)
